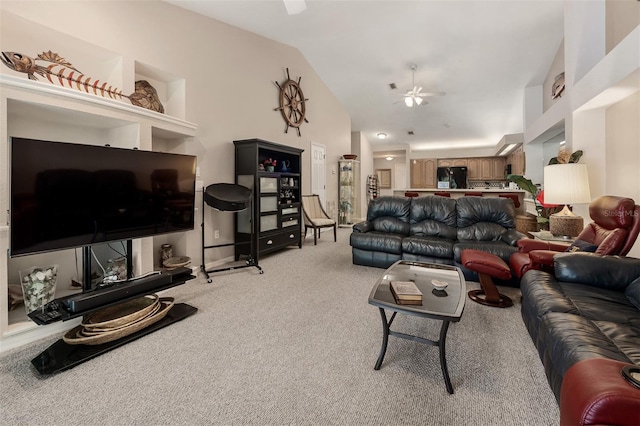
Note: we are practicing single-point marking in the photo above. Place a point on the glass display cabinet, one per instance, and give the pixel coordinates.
(348, 192)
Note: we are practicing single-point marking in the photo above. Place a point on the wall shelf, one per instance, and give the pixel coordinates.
(41, 110)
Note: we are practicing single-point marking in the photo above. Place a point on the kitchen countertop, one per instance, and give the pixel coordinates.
(461, 190)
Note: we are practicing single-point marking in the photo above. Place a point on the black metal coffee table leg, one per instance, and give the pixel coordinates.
(443, 359)
(385, 336)
(386, 332)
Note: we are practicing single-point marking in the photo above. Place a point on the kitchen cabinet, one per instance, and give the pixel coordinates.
(498, 165)
(423, 173)
(479, 168)
(486, 168)
(473, 169)
(276, 199)
(453, 162)
(517, 161)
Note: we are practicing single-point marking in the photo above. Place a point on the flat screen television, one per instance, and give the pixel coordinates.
(67, 195)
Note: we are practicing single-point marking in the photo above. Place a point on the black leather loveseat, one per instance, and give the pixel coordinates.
(434, 229)
(586, 317)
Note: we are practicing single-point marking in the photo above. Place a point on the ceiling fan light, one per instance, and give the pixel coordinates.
(418, 100)
(408, 101)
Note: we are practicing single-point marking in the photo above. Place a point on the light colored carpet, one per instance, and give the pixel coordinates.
(293, 346)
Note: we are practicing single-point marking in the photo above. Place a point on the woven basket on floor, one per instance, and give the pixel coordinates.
(80, 336)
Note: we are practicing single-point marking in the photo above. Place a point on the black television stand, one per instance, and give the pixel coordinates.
(62, 356)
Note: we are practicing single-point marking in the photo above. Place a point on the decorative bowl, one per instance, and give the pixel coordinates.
(350, 156)
(439, 285)
(176, 262)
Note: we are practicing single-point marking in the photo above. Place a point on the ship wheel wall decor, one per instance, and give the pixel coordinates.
(292, 103)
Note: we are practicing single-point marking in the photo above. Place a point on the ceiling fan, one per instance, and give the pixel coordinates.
(416, 96)
(294, 6)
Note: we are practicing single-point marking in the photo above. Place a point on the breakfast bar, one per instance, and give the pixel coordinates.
(457, 193)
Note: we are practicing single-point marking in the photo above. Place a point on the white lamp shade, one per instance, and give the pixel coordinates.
(418, 100)
(566, 184)
(408, 101)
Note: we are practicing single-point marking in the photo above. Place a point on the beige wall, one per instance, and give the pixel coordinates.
(361, 146)
(229, 72)
(622, 17)
(623, 151)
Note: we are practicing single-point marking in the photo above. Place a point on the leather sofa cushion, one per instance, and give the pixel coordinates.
(390, 225)
(613, 241)
(633, 293)
(576, 338)
(481, 231)
(377, 241)
(497, 248)
(428, 246)
(609, 272)
(397, 207)
(472, 210)
(569, 339)
(389, 214)
(433, 216)
(376, 259)
(598, 304)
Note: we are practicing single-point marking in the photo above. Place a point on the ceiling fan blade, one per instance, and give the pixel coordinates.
(294, 6)
(424, 94)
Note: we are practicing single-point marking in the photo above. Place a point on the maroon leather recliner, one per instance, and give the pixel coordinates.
(614, 230)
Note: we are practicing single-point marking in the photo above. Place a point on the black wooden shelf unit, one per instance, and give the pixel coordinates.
(276, 191)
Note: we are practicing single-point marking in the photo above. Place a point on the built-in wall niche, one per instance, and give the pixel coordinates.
(47, 122)
(69, 267)
(30, 38)
(178, 242)
(170, 87)
(552, 147)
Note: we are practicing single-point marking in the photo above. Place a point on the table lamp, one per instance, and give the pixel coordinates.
(566, 184)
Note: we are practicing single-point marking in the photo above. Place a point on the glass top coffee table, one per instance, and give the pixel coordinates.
(445, 305)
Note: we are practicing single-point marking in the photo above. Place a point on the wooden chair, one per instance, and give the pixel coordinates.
(442, 194)
(315, 217)
(411, 194)
(473, 194)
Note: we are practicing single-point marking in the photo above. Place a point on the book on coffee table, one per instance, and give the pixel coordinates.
(406, 292)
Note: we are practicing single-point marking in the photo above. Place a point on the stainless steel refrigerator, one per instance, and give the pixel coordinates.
(452, 177)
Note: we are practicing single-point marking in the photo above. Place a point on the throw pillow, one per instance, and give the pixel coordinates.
(633, 293)
(581, 245)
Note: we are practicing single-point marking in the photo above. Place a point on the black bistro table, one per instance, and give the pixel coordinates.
(445, 305)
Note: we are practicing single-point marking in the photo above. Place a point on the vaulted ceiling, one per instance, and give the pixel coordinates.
(481, 53)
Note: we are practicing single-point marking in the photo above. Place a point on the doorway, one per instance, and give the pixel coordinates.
(318, 171)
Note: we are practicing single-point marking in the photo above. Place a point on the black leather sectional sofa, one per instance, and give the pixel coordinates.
(585, 311)
(434, 229)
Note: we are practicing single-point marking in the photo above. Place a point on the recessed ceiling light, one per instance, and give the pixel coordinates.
(389, 158)
(382, 135)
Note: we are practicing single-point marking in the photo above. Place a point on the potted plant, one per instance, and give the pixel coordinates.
(544, 210)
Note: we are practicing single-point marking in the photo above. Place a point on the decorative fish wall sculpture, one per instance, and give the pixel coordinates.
(145, 95)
